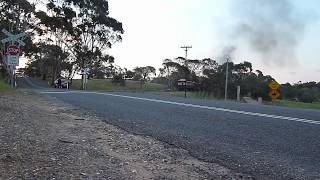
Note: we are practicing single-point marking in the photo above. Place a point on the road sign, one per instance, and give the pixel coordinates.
(274, 85)
(85, 71)
(13, 60)
(13, 50)
(14, 38)
(274, 94)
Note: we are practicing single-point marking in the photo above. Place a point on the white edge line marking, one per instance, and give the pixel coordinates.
(195, 106)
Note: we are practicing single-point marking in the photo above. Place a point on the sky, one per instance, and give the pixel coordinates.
(279, 37)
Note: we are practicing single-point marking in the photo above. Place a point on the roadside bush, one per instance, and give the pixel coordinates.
(307, 95)
(137, 77)
(3, 72)
(160, 80)
(118, 79)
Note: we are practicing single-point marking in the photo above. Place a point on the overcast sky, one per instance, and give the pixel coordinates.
(288, 49)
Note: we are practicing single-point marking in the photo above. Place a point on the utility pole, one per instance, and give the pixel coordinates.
(226, 85)
(186, 48)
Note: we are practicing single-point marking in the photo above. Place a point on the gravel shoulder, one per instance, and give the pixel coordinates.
(43, 138)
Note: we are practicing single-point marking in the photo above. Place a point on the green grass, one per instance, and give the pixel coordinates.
(134, 86)
(107, 85)
(288, 103)
(4, 86)
(190, 94)
(203, 95)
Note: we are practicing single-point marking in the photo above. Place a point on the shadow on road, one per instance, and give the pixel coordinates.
(31, 83)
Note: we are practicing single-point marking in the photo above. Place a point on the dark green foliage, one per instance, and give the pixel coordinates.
(16, 17)
(3, 72)
(144, 73)
(307, 95)
(118, 79)
(33, 70)
(99, 68)
(97, 73)
(211, 80)
(49, 61)
(129, 74)
(83, 30)
(288, 91)
(209, 76)
(159, 80)
(305, 92)
(137, 77)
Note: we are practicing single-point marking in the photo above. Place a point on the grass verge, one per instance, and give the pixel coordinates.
(190, 94)
(4, 86)
(288, 103)
(204, 95)
(134, 86)
(107, 85)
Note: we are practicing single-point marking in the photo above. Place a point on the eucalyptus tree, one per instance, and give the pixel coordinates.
(144, 73)
(194, 65)
(84, 28)
(17, 16)
(209, 64)
(55, 61)
(169, 67)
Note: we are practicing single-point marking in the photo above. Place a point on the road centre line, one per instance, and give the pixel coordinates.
(195, 106)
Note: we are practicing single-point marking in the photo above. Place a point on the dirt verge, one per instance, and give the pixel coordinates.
(44, 139)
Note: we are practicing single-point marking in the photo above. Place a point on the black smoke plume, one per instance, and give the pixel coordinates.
(272, 28)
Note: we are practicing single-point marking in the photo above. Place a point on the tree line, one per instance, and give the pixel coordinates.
(209, 76)
(71, 35)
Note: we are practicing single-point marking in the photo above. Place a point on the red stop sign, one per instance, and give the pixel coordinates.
(13, 50)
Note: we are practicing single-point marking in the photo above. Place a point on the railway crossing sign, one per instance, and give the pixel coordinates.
(12, 53)
(14, 38)
(13, 50)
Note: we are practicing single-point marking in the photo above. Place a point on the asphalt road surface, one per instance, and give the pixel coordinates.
(264, 141)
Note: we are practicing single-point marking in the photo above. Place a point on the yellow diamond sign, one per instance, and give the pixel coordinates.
(274, 85)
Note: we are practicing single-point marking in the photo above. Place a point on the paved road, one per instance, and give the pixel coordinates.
(266, 142)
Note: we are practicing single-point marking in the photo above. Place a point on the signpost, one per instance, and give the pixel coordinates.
(274, 93)
(12, 52)
(84, 73)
